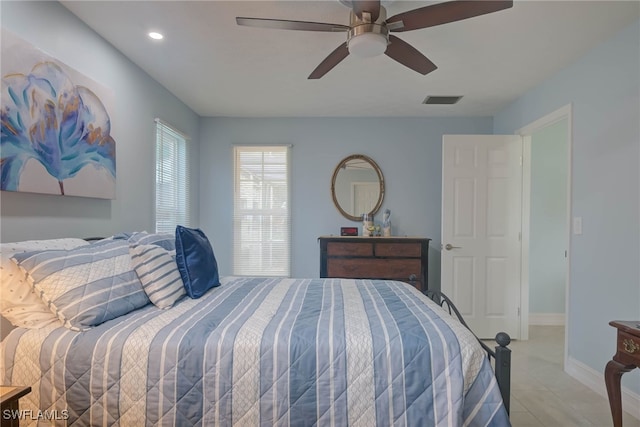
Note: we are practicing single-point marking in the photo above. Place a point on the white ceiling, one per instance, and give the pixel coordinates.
(218, 68)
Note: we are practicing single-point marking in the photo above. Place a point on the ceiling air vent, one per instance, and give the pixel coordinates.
(441, 100)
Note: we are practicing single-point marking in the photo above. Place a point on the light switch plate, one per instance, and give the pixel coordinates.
(577, 225)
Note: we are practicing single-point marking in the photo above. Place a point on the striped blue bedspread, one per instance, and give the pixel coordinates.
(264, 352)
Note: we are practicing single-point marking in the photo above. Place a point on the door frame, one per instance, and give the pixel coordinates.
(563, 113)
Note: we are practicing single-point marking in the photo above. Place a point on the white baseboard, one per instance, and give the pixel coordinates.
(546, 319)
(595, 381)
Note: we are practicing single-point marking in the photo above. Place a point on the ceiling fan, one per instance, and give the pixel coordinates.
(369, 28)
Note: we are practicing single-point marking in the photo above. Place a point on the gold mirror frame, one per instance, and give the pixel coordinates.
(340, 166)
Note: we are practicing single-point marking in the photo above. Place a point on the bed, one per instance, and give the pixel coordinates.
(246, 351)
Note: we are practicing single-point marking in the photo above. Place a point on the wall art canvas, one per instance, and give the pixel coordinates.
(56, 129)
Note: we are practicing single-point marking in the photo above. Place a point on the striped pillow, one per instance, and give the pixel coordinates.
(85, 286)
(158, 272)
(166, 240)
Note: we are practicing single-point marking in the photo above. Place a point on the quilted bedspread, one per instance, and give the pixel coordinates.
(264, 352)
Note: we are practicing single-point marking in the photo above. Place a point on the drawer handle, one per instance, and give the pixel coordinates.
(630, 346)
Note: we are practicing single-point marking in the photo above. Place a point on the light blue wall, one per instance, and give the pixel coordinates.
(138, 100)
(408, 151)
(548, 226)
(603, 88)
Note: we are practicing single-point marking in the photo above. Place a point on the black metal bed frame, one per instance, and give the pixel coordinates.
(501, 357)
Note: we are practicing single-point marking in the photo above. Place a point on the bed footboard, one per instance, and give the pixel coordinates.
(501, 356)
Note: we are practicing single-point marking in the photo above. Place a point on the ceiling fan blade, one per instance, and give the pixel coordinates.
(284, 24)
(408, 56)
(371, 6)
(330, 61)
(442, 13)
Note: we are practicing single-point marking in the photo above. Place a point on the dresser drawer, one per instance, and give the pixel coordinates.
(629, 345)
(356, 268)
(393, 258)
(398, 249)
(349, 249)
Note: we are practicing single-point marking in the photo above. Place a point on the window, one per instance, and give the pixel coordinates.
(261, 214)
(172, 179)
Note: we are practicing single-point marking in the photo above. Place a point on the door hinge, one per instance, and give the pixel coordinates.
(518, 311)
(520, 236)
(520, 160)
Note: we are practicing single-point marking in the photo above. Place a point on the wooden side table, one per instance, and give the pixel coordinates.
(9, 396)
(627, 357)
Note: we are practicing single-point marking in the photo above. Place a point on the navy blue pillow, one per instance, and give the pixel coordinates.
(196, 262)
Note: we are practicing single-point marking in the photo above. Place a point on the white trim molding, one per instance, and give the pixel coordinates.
(563, 113)
(595, 381)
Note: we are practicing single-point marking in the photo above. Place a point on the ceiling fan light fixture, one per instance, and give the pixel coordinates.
(368, 30)
(368, 44)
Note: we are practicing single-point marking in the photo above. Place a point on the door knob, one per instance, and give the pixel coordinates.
(448, 247)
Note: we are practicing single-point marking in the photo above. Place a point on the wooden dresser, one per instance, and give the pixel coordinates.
(397, 258)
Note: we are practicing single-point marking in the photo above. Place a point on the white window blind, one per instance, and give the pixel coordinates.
(261, 212)
(172, 179)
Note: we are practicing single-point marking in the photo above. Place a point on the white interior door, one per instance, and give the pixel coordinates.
(481, 230)
(364, 196)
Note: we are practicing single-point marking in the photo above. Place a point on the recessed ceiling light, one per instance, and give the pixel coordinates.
(156, 36)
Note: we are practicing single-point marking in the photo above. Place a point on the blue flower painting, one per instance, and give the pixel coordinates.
(50, 124)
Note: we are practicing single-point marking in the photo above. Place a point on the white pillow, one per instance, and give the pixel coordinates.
(158, 272)
(19, 304)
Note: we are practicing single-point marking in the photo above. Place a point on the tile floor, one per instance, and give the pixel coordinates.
(542, 394)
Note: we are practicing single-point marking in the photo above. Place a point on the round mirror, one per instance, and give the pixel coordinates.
(357, 187)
